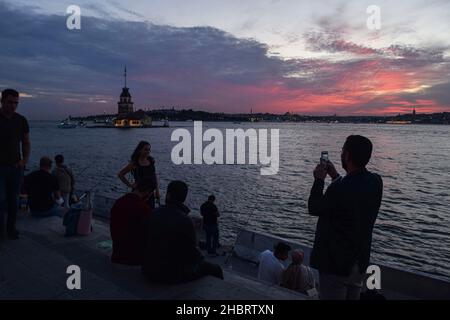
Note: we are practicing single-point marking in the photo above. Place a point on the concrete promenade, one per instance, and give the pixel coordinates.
(34, 267)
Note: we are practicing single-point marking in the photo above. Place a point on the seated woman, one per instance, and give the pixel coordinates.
(297, 276)
(127, 224)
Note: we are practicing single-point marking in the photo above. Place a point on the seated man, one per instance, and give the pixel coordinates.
(297, 276)
(171, 254)
(43, 191)
(127, 224)
(65, 178)
(270, 266)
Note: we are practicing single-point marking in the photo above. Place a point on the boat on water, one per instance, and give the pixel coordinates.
(398, 122)
(129, 122)
(66, 124)
(105, 121)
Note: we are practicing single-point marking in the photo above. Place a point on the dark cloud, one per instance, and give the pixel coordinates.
(439, 93)
(39, 54)
(332, 42)
(79, 72)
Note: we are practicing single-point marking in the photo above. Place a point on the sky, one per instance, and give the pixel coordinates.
(306, 57)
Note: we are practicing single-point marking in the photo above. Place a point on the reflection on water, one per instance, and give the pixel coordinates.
(413, 228)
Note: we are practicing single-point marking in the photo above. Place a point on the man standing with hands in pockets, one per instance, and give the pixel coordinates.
(14, 138)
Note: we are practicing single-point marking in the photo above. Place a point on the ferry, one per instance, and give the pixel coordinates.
(398, 122)
(66, 124)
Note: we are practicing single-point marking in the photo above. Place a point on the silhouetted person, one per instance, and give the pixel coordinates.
(42, 187)
(142, 166)
(210, 213)
(127, 224)
(347, 213)
(14, 138)
(270, 263)
(66, 180)
(171, 254)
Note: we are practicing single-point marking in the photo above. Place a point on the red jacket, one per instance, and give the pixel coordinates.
(127, 229)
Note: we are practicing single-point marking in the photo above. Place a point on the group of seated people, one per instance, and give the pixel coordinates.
(150, 238)
(296, 276)
(43, 190)
(163, 241)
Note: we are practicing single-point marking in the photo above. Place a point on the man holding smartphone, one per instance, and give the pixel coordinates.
(347, 212)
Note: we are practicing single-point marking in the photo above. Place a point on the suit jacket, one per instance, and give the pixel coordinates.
(347, 213)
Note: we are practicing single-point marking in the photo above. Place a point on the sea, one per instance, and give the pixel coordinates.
(412, 231)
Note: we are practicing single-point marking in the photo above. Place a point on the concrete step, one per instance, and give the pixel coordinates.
(30, 270)
(34, 267)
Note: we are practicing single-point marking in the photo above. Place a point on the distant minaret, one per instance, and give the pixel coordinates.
(125, 105)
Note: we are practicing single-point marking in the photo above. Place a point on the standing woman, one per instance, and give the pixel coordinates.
(142, 166)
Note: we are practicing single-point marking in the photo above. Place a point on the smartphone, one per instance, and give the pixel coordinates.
(324, 157)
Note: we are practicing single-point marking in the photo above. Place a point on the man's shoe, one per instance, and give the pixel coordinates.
(13, 235)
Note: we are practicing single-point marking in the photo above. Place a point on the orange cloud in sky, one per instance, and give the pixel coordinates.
(354, 92)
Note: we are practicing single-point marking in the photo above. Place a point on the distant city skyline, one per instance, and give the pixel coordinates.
(229, 56)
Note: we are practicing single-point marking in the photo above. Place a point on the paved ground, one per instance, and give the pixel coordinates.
(34, 267)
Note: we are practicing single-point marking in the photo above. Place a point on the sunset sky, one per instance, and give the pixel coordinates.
(308, 57)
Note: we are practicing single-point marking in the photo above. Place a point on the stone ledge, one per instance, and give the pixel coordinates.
(34, 267)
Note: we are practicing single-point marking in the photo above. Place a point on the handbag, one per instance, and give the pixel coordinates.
(85, 221)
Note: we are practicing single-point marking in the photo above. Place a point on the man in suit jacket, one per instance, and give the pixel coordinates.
(347, 212)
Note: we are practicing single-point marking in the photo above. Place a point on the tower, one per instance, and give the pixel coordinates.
(125, 105)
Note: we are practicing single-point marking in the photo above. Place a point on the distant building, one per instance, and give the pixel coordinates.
(134, 119)
(127, 117)
(125, 104)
